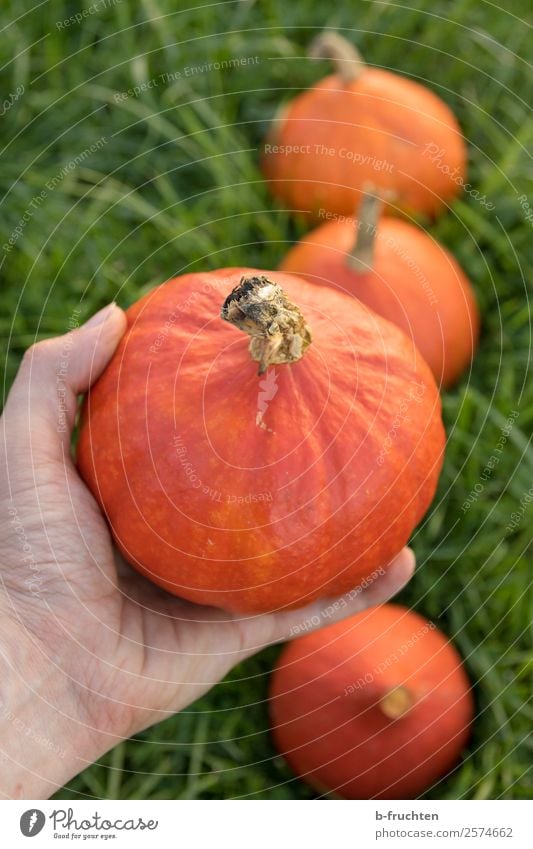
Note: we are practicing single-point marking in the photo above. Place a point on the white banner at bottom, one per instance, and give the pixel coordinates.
(236, 824)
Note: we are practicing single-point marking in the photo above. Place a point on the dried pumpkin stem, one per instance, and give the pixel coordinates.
(347, 59)
(361, 257)
(278, 331)
(397, 702)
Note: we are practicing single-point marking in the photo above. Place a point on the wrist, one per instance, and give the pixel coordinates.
(45, 737)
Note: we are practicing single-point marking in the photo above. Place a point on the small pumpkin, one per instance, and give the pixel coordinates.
(404, 275)
(377, 706)
(259, 492)
(361, 125)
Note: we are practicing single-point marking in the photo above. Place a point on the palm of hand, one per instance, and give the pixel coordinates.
(130, 649)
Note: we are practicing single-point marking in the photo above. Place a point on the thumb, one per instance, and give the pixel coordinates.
(41, 407)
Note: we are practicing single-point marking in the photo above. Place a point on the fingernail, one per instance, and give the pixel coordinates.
(410, 558)
(413, 555)
(101, 316)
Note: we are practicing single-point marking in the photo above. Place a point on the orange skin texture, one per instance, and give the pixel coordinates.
(326, 718)
(381, 117)
(414, 282)
(330, 487)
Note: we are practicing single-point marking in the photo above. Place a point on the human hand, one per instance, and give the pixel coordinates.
(90, 652)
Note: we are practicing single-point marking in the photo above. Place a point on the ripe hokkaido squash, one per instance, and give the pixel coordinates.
(362, 125)
(377, 706)
(404, 275)
(257, 492)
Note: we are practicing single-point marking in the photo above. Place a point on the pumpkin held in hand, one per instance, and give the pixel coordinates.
(364, 125)
(377, 706)
(257, 492)
(404, 275)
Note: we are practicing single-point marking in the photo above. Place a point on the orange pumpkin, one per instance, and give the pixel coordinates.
(363, 125)
(252, 492)
(404, 275)
(377, 706)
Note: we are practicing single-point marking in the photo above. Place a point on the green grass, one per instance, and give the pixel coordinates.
(174, 185)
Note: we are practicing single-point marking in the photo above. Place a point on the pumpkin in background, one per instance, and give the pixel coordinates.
(404, 275)
(258, 492)
(363, 125)
(377, 706)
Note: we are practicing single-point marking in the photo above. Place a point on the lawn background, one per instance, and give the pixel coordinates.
(173, 185)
